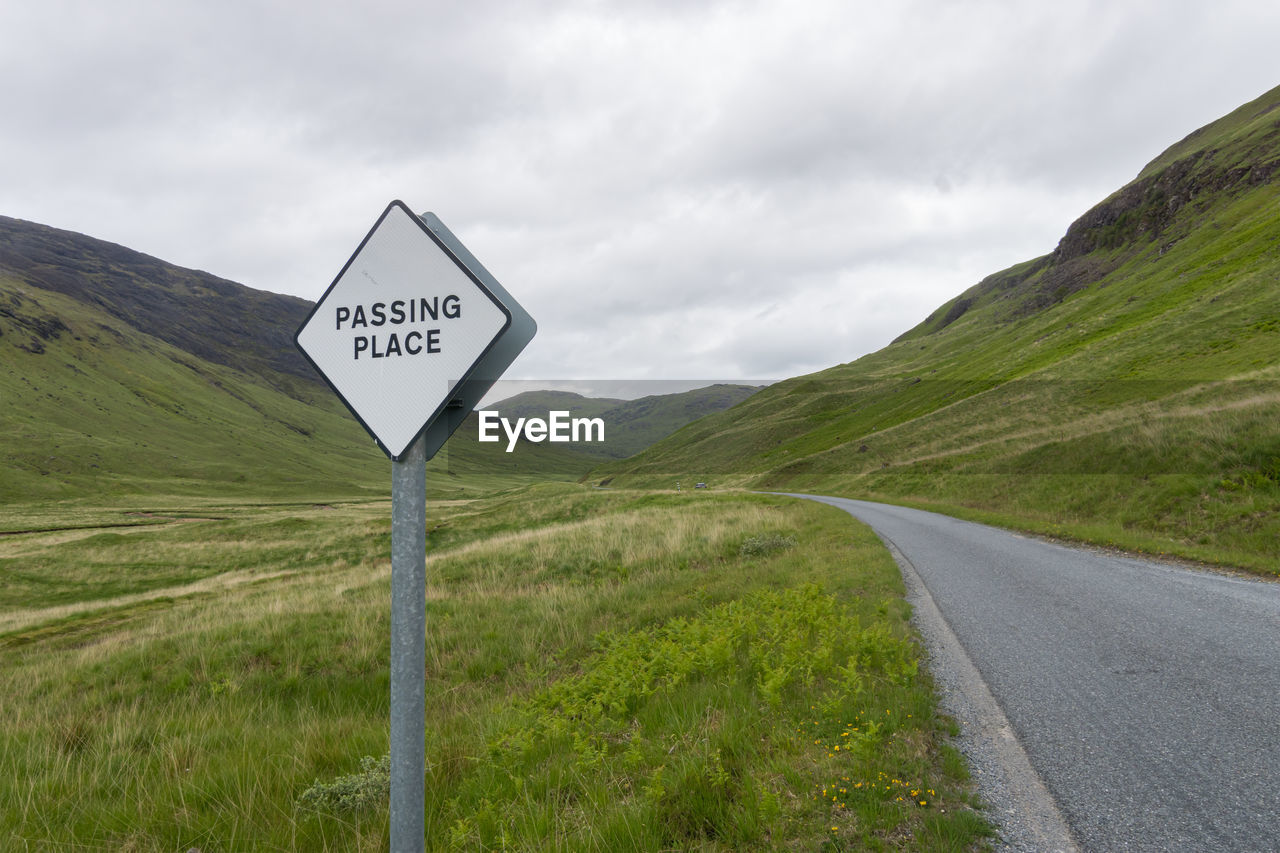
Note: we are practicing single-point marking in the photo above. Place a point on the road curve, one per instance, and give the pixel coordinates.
(1146, 695)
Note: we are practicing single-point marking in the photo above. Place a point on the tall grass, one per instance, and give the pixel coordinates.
(605, 671)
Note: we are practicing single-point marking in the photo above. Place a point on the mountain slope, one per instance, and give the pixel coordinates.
(97, 401)
(200, 314)
(1125, 385)
(120, 373)
(123, 374)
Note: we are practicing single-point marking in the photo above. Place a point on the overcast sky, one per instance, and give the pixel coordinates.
(673, 189)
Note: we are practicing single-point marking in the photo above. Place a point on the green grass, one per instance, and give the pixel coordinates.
(606, 670)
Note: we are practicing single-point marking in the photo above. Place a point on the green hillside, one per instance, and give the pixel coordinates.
(637, 424)
(121, 374)
(1123, 388)
(93, 405)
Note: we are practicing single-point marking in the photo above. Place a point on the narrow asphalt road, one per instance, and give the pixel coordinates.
(1146, 695)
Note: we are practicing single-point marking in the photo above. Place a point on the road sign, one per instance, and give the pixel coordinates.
(403, 328)
(411, 335)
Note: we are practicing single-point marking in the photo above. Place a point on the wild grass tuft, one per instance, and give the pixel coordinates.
(367, 789)
(759, 546)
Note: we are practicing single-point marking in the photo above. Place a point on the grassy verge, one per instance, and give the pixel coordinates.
(606, 670)
(1194, 473)
(1055, 523)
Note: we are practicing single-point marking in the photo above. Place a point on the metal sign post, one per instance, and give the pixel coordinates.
(411, 335)
(408, 647)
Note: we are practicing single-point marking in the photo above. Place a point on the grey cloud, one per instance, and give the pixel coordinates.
(714, 189)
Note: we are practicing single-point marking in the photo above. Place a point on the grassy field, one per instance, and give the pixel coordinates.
(607, 670)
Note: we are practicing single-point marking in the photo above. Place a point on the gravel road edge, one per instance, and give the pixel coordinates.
(1016, 797)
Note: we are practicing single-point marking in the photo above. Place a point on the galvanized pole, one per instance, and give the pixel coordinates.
(408, 647)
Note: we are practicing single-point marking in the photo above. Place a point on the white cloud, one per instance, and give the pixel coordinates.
(718, 189)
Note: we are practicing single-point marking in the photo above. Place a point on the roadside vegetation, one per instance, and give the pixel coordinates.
(606, 670)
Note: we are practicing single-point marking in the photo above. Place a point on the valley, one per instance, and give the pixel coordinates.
(194, 547)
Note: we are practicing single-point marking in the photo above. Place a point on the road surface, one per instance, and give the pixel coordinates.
(1145, 695)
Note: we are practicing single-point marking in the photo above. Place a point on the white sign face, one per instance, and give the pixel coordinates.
(402, 324)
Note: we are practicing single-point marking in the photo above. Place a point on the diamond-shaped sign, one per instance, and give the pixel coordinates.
(402, 325)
